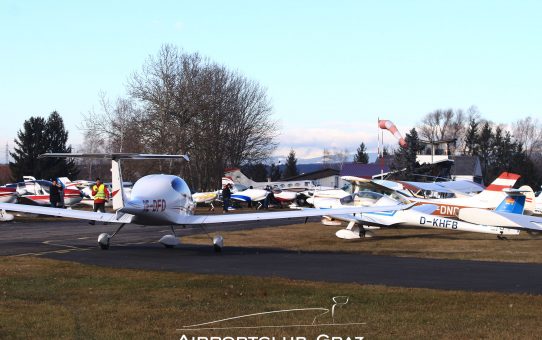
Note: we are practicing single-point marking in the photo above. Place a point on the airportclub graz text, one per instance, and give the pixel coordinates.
(157, 205)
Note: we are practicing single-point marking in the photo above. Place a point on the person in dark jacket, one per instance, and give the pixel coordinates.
(226, 195)
(54, 194)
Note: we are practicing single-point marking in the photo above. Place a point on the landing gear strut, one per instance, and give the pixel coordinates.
(218, 240)
(170, 241)
(104, 238)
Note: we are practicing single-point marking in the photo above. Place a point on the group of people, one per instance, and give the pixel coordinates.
(100, 194)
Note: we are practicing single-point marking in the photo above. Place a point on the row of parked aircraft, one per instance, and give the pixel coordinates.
(167, 200)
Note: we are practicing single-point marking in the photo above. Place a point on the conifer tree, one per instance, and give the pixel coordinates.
(274, 172)
(291, 165)
(40, 136)
(361, 155)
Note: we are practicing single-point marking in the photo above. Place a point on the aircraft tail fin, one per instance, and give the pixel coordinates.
(117, 192)
(514, 204)
(494, 193)
(505, 180)
(530, 199)
(237, 177)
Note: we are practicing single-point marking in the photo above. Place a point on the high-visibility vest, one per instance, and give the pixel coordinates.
(100, 192)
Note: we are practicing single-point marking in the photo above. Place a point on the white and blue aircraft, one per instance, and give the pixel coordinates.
(166, 200)
(505, 220)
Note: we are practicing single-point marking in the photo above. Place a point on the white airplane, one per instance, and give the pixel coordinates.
(236, 176)
(166, 200)
(489, 198)
(205, 198)
(506, 219)
(326, 198)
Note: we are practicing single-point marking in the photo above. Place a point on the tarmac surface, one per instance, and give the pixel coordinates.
(137, 247)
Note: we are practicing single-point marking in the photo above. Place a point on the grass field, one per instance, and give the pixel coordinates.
(413, 242)
(42, 298)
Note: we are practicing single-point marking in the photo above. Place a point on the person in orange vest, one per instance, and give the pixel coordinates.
(101, 195)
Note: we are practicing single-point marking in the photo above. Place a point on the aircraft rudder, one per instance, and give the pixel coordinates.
(514, 204)
(505, 180)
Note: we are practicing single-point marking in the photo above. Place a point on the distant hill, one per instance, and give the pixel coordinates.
(316, 160)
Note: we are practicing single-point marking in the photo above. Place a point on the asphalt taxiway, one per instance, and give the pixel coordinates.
(136, 247)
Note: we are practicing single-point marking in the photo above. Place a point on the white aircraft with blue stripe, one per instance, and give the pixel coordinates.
(506, 220)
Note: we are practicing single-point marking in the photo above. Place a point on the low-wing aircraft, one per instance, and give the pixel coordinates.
(36, 192)
(205, 198)
(166, 200)
(506, 219)
(236, 176)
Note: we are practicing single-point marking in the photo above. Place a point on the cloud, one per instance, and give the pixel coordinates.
(310, 142)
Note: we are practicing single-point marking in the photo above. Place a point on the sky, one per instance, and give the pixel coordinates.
(331, 68)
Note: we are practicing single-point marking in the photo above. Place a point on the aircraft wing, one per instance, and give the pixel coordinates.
(78, 214)
(501, 219)
(229, 218)
(448, 187)
(385, 218)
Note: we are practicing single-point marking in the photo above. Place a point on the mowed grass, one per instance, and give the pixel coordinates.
(42, 298)
(412, 242)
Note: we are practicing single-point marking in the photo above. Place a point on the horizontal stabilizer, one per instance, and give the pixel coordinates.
(501, 219)
(114, 156)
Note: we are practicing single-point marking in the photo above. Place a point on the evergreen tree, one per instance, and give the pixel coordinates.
(471, 138)
(385, 151)
(405, 158)
(30, 143)
(361, 155)
(484, 147)
(57, 141)
(291, 165)
(274, 172)
(37, 137)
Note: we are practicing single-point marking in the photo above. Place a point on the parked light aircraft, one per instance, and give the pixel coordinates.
(506, 219)
(166, 200)
(205, 198)
(489, 198)
(36, 192)
(237, 176)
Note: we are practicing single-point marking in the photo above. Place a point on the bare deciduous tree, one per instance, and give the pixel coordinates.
(183, 103)
(528, 131)
(445, 125)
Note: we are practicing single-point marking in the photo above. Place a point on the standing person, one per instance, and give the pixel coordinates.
(226, 195)
(62, 187)
(100, 194)
(54, 194)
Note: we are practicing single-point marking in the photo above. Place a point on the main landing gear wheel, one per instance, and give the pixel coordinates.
(170, 241)
(104, 238)
(103, 241)
(218, 243)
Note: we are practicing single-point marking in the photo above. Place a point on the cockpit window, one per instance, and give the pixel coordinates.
(178, 185)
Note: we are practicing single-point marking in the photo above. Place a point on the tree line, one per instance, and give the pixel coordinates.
(517, 150)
